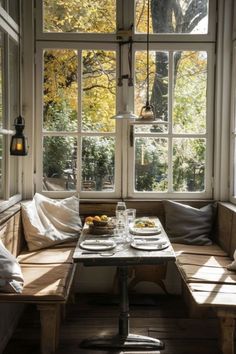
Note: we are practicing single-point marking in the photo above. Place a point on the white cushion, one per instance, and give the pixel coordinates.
(49, 221)
(11, 278)
(232, 266)
(188, 225)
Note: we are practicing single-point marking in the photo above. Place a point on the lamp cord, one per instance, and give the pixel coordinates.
(20, 74)
(148, 14)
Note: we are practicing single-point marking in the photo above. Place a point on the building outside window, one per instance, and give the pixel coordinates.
(91, 63)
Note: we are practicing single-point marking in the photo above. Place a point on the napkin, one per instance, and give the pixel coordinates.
(149, 242)
(98, 243)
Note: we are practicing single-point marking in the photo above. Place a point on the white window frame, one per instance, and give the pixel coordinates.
(11, 32)
(125, 95)
(41, 46)
(208, 135)
(233, 131)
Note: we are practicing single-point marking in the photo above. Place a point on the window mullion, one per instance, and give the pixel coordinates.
(6, 157)
(170, 120)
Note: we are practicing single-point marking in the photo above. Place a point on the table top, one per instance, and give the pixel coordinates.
(123, 254)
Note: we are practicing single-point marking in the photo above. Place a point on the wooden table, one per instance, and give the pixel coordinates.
(123, 257)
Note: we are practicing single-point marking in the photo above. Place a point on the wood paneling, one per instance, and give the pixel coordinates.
(224, 227)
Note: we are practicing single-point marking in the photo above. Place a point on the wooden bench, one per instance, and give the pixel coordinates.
(206, 281)
(48, 277)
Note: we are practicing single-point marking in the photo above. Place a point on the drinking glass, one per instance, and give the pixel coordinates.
(120, 222)
(130, 215)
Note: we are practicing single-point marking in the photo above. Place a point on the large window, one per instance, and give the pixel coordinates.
(10, 183)
(85, 52)
(233, 130)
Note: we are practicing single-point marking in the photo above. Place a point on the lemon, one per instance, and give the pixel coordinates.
(104, 218)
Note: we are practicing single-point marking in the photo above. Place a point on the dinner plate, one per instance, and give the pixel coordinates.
(98, 245)
(150, 246)
(145, 231)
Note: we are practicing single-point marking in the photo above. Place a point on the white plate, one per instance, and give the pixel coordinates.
(150, 246)
(147, 231)
(98, 245)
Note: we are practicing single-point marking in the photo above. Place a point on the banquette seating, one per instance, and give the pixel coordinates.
(206, 281)
(48, 277)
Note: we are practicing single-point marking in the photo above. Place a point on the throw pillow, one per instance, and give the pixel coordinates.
(185, 224)
(11, 278)
(232, 266)
(49, 221)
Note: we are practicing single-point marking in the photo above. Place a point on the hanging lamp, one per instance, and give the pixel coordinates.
(18, 145)
(147, 111)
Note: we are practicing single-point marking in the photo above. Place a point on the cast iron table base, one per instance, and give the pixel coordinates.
(124, 339)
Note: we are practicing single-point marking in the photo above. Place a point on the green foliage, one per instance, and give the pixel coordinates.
(98, 160)
(95, 16)
(57, 155)
(98, 100)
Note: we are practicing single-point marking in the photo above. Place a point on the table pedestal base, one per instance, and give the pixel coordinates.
(132, 341)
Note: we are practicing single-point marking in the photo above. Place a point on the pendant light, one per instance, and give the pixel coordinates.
(147, 111)
(18, 145)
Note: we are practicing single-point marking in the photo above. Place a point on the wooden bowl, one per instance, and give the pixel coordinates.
(100, 223)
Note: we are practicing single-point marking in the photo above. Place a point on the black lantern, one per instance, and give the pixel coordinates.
(19, 141)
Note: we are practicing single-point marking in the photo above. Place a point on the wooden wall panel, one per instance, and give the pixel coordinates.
(143, 207)
(233, 236)
(11, 231)
(224, 226)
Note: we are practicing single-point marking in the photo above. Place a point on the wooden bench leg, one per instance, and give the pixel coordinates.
(50, 325)
(227, 327)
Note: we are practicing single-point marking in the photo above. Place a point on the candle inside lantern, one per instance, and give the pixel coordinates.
(19, 146)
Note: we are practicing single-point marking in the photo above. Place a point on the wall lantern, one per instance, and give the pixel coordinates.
(19, 141)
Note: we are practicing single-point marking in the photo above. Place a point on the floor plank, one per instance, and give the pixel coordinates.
(160, 316)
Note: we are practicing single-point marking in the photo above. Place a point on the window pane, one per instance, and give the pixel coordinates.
(59, 163)
(60, 90)
(14, 9)
(97, 16)
(14, 109)
(158, 82)
(234, 168)
(14, 81)
(1, 79)
(98, 157)
(190, 84)
(99, 90)
(151, 165)
(184, 16)
(189, 165)
(1, 166)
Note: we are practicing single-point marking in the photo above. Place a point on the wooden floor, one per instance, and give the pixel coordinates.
(159, 316)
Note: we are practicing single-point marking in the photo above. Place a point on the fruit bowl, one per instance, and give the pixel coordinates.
(100, 223)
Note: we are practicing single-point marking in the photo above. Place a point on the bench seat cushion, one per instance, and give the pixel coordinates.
(195, 273)
(69, 244)
(213, 294)
(213, 249)
(43, 283)
(203, 260)
(47, 256)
